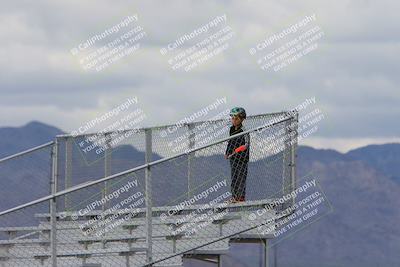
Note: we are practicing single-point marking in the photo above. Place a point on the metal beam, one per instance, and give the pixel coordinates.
(68, 169)
(283, 113)
(293, 153)
(190, 155)
(53, 204)
(266, 258)
(107, 172)
(148, 196)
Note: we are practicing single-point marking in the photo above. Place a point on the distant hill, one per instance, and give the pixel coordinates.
(363, 228)
(363, 186)
(16, 139)
(384, 158)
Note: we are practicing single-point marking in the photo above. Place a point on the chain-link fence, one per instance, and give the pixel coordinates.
(143, 202)
(93, 156)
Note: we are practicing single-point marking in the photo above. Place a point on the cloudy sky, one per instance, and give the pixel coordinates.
(353, 73)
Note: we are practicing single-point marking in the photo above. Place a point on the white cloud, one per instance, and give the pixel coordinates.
(353, 73)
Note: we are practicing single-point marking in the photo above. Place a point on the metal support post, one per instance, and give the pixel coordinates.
(286, 158)
(68, 169)
(107, 164)
(148, 193)
(266, 258)
(107, 172)
(190, 155)
(293, 152)
(53, 204)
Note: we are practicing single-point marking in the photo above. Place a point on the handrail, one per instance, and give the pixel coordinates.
(26, 151)
(144, 166)
(165, 126)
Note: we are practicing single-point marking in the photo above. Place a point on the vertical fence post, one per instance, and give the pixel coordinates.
(107, 172)
(68, 169)
(107, 163)
(293, 151)
(53, 204)
(190, 155)
(266, 253)
(286, 157)
(148, 193)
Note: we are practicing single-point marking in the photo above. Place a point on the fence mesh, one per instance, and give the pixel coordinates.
(93, 156)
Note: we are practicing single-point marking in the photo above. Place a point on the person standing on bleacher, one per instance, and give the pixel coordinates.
(238, 153)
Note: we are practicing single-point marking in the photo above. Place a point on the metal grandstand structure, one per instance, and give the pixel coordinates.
(144, 197)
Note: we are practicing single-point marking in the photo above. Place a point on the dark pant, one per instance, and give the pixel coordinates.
(238, 175)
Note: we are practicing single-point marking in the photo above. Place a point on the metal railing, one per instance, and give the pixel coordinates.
(152, 195)
(99, 155)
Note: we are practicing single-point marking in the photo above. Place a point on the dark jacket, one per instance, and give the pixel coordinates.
(237, 142)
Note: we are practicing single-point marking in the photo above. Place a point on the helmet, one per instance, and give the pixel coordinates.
(238, 111)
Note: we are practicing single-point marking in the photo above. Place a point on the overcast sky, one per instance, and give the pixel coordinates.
(353, 74)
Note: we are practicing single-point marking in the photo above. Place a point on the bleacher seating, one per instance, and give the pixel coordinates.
(126, 244)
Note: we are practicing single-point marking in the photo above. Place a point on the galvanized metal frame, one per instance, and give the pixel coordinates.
(68, 169)
(293, 152)
(53, 204)
(192, 136)
(266, 251)
(148, 195)
(285, 161)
